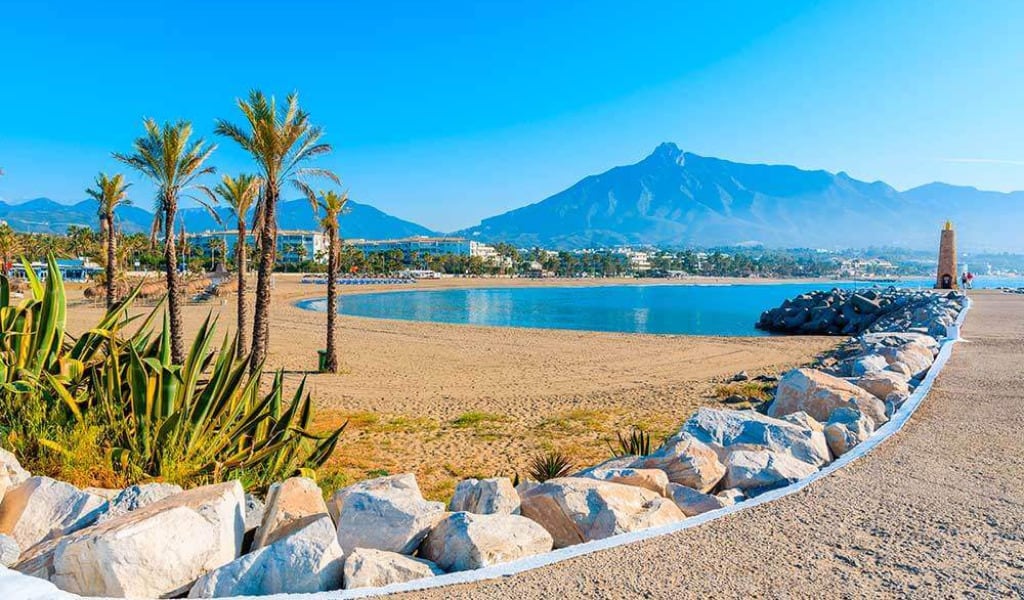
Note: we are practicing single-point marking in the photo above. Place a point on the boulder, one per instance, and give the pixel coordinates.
(686, 460)
(882, 383)
(818, 394)
(11, 473)
(727, 430)
(651, 479)
(158, 550)
(40, 508)
(485, 497)
(847, 428)
(289, 504)
(10, 551)
(731, 496)
(306, 559)
(760, 470)
(874, 342)
(135, 497)
(375, 568)
(868, 364)
(107, 494)
(914, 358)
(16, 586)
(802, 419)
(464, 541)
(692, 502)
(387, 513)
(576, 509)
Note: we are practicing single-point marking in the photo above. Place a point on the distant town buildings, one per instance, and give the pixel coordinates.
(293, 246)
(435, 246)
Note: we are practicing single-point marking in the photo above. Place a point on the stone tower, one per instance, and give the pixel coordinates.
(945, 279)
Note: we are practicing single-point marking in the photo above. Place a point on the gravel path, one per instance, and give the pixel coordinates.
(937, 511)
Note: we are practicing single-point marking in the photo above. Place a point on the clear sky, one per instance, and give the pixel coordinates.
(445, 112)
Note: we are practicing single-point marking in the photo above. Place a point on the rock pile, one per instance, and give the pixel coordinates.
(156, 540)
(853, 312)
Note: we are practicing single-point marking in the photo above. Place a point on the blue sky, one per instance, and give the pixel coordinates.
(445, 112)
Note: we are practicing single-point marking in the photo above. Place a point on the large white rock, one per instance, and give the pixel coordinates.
(10, 552)
(687, 461)
(847, 428)
(882, 383)
(11, 472)
(308, 559)
(16, 586)
(485, 497)
(464, 541)
(576, 509)
(914, 356)
(692, 502)
(41, 508)
(376, 568)
(725, 431)
(289, 504)
(387, 513)
(156, 551)
(818, 394)
(868, 364)
(135, 497)
(731, 496)
(761, 470)
(655, 480)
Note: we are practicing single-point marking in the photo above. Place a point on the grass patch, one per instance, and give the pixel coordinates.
(758, 390)
(578, 420)
(478, 419)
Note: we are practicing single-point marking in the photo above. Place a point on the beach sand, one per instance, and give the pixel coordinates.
(448, 402)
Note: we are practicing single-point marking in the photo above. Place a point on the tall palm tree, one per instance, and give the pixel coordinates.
(333, 205)
(240, 194)
(174, 164)
(281, 142)
(10, 246)
(110, 192)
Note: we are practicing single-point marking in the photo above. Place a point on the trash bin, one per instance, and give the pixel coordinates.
(321, 360)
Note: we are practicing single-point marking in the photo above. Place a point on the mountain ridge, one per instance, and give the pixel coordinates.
(673, 198)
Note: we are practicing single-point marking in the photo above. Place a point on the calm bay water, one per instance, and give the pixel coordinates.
(667, 309)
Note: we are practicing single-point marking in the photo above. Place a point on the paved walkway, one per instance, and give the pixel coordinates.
(936, 511)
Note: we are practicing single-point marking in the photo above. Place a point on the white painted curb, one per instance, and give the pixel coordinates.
(13, 582)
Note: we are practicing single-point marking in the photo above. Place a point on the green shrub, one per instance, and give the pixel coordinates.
(636, 443)
(120, 398)
(549, 466)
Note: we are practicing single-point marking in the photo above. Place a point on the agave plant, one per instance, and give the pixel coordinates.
(549, 466)
(203, 420)
(636, 443)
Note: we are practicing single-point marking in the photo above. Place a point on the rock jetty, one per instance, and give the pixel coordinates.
(853, 312)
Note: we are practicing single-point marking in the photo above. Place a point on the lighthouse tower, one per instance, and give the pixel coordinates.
(945, 279)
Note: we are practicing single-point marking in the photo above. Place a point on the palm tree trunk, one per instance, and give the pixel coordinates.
(240, 253)
(173, 292)
(331, 365)
(111, 258)
(268, 255)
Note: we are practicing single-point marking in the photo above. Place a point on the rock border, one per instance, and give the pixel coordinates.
(21, 585)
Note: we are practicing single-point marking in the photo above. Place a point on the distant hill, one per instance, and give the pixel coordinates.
(674, 198)
(43, 215)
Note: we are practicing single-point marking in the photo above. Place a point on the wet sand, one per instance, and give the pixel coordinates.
(453, 401)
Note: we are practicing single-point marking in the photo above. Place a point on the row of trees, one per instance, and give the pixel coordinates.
(281, 141)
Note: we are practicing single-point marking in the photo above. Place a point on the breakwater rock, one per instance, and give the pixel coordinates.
(853, 312)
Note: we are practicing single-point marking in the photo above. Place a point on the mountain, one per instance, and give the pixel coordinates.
(43, 215)
(674, 199)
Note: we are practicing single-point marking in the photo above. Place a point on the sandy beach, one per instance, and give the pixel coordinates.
(453, 401)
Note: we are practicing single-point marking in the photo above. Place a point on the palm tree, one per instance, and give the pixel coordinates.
(333, 206)
(10, 246)
(173, 163)
(280, 142)
(240, 193)
(110, 192)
